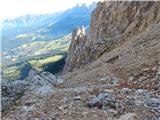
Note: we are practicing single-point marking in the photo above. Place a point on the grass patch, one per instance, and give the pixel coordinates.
(37, 64)
(11, 73)
(41, 55)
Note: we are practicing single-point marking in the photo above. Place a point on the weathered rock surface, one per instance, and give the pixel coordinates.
(37, 83)
(43, 79)
(11, 91)
(112, 23)
(77, 47)
(115, 70)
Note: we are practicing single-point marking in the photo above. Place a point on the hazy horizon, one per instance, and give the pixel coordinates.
(15, 8)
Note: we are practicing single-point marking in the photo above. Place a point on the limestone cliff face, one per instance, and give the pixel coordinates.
(77, 49)
(112, 23)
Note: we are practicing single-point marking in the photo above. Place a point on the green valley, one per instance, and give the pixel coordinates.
(39, 41)
(37, 54)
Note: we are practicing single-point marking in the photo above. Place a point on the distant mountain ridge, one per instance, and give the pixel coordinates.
(44, 19)
(77, 16)
(26, 20)
(54, 25)
(35, 39)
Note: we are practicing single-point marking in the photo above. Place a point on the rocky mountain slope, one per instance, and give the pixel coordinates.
(111, 74)
(112, 23)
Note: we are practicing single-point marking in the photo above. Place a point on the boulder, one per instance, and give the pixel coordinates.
(36, 83)
(11, 91)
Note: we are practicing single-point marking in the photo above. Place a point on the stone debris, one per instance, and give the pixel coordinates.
(97, 101)
(128, 116)
(112, 73)
(77, 98)
(11, 91)
(36, 83)
(153, 103)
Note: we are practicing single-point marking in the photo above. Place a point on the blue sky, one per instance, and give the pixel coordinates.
(12, 8)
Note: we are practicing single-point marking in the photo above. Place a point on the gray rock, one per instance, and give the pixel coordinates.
(94, 102)
(108, 104)
(130, 101)
(156, 118)
(45, 90)
(126, 90)
(102, 95)
(11, 91)
(77, 98)
(26, 109)
(152, 102)
(97, 101)
(37, 79)
(142, 92)
(128, 116)
(7, 102)
(40, 118)
(36, 83)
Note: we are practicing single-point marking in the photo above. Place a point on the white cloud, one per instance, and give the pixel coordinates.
(11, 8)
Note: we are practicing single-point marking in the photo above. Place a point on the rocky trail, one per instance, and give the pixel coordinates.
(111, 74)
(105, 99)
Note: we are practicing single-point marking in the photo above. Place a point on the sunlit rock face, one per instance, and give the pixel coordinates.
(112, 23)
(76, 56)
